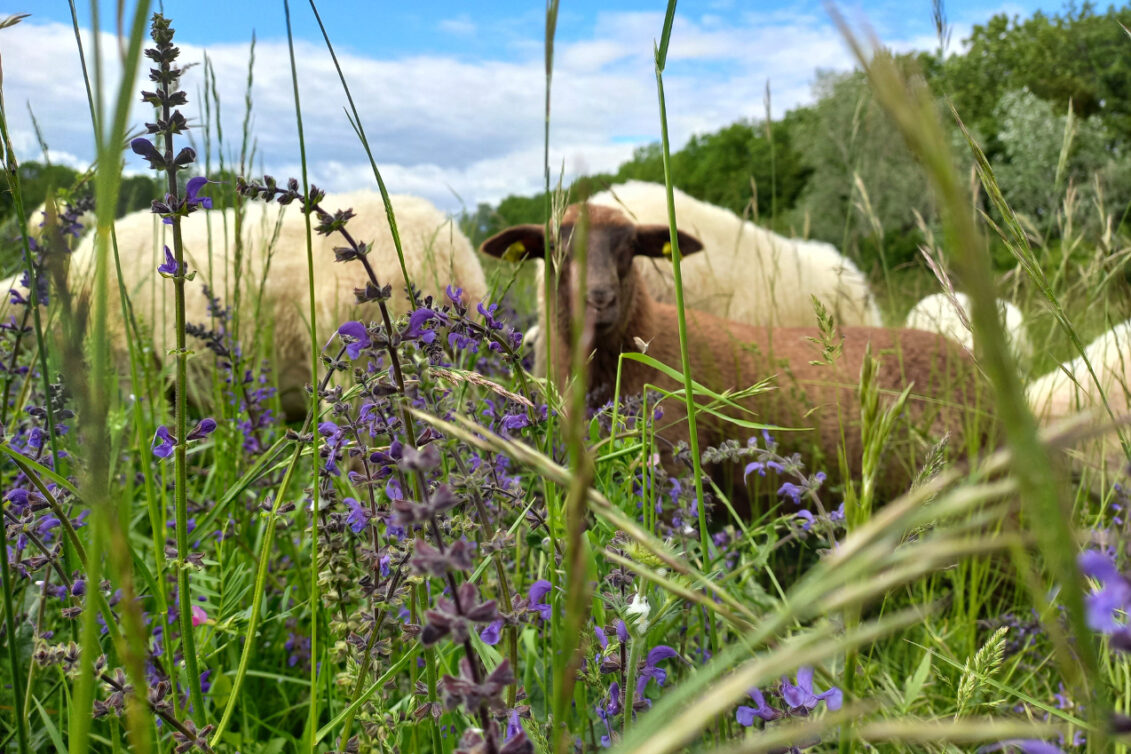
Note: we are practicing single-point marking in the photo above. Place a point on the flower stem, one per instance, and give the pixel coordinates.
(13, 660)
(312, 721)
(180, 483)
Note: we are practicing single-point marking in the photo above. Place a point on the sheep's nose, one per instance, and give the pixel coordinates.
(601, 298)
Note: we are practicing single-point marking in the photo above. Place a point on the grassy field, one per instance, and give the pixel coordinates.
(444, 557)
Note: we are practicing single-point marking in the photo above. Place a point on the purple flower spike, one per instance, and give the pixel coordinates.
(802, 699)
(358, 338)
(622, 630)
(163, 442)
(455, 295)
(169, 269)
(192, 189)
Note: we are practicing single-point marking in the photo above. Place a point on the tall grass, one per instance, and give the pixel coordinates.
(448, 554)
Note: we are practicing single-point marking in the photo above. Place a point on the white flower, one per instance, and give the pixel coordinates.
(639, 608)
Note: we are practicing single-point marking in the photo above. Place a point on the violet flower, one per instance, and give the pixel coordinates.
(801, 699)
(515, 422)
(796, 491)
(144, 147)
(745, 715)
(602, 639)
(356, 337)
(163, 442)
(490, 635)
(608, 710)
(359, 516)
(537, 597)
(169, 269)
(651, 669)
(792, 491)
(1114, 595)
(203, 428)
(192, 191)
(416, 321)
(1023, 746)
(489, 316)
(461, 342)
(761, 466)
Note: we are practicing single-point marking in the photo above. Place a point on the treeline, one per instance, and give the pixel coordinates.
(38, 179)
(838, 171)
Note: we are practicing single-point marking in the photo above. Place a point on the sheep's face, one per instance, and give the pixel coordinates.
(610, 240)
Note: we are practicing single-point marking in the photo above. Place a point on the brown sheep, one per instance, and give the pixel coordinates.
(727, 355)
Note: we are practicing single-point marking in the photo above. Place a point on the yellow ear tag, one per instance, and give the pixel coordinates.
(515, 252)
(667, 250)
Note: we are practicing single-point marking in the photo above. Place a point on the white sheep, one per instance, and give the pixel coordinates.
(436, 254)
(745, 273)
(937, 313)
(1070, 389)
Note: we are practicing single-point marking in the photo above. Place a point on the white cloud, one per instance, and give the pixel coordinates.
(439, 124)
(461, 25)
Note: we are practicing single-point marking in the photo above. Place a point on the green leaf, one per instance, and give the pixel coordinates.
(914, 685)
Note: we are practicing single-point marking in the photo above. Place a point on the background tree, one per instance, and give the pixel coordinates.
(1079, 56)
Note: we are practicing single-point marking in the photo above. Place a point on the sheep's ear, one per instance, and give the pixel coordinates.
(515, 244)
(655, 241)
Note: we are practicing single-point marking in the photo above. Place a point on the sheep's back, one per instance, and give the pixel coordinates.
(274, 276)
(1070, 389)
(1057, 394)
(948, 396)
(936, 313)
(436, 252)
(744, 273)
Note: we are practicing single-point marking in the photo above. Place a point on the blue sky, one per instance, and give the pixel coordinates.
(503, 29)
(451, 92)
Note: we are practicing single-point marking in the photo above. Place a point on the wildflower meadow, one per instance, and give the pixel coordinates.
(429, 546)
